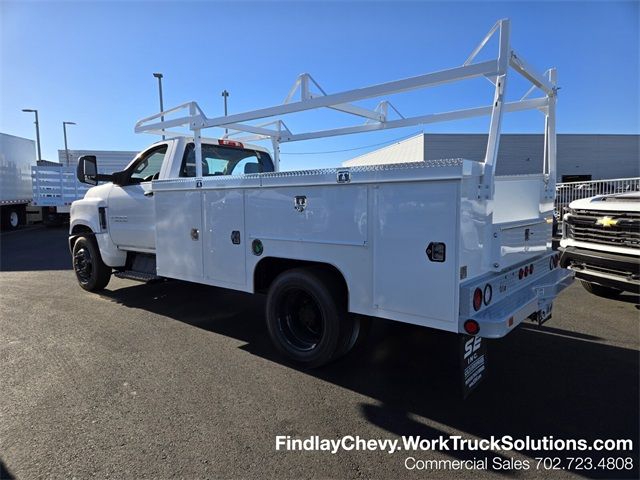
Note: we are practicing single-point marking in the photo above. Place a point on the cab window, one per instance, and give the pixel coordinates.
(148, 167)
(225, 160)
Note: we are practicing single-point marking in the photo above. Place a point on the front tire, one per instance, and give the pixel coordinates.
(600, 290)
(307, 317)
(92, 274)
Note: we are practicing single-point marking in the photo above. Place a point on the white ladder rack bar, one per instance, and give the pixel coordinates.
(496, 70)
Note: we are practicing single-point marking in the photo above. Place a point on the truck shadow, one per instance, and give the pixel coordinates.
(5, 474)
(543, 382)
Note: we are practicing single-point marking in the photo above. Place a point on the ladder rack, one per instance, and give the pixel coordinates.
(312, 96)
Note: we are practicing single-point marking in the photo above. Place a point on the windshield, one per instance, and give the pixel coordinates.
(225, 160)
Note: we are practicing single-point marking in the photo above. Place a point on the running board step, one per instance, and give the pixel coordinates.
(138, 276)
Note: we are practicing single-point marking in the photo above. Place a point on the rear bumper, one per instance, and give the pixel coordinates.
(607, 269)
(535, 298)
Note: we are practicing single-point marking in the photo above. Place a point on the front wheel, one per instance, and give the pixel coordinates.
(92, 274)
(600, 290)
(307, 317)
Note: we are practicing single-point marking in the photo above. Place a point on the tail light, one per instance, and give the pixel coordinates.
(531, 269)
(477, 299)
(521, 274)
(471, 327)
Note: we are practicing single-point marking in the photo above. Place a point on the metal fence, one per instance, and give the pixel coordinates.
(570, 191)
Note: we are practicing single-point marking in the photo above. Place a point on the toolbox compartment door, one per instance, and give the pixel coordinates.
(224, 242)
(179, 234)
(407, 284)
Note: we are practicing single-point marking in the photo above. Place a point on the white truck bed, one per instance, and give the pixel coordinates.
(370, 229)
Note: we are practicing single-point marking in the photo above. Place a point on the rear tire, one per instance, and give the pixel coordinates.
(92, 274)
(600, 290)
(12, 217)
(307, 317)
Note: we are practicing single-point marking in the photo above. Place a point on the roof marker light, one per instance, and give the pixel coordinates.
(230, 143)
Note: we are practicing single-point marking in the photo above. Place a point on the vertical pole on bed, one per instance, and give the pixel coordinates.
(493, 142)
(276, 153)
(551, 129)
(197, 141)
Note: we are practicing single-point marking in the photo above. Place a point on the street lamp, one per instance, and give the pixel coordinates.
(37, 129)
(66, 148)
(159, 77)
(225, 94)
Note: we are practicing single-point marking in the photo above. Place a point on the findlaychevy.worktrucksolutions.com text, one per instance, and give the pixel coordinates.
(505, 443)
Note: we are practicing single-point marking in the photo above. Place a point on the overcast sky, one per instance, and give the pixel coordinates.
(92, 63)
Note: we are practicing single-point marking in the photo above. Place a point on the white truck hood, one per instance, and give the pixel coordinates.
(623, 202)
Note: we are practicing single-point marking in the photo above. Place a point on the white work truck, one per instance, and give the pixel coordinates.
(444, 244)
(601, 243)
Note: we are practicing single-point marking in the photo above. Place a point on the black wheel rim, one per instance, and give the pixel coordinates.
(300, 320)
(82, 264)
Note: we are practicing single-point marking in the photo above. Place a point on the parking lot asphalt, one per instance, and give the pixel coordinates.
(177, 380)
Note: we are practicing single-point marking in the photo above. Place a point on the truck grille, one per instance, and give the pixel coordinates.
(621, 229)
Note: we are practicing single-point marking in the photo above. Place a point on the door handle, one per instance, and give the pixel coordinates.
(148, 194)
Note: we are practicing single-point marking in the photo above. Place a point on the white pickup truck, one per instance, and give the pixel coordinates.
(443, 244)
(601, 243)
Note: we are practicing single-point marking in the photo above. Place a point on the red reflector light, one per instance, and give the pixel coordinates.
(477, 299)
(510, 322)
(230, 143)
(471, 327)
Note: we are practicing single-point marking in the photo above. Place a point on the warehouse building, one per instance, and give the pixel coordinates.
(108, 160)
(580, 157)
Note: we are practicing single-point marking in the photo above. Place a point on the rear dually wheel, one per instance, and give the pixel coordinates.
(307, 317)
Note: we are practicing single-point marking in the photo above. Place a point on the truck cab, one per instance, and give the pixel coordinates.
(127, 200)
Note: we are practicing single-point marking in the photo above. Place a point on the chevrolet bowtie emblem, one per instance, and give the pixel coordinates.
(606, 221)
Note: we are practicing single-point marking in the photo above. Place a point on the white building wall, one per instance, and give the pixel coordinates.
(409, 150)
(109, 161)
(600, 156)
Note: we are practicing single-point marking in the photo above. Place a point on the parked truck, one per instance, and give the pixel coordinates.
(17, 155)
(55, 185)
(601, 243)
(444, 244)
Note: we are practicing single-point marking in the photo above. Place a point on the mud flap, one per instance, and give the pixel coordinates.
(473, 362)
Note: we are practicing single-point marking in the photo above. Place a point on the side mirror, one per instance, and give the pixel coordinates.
(87, 170)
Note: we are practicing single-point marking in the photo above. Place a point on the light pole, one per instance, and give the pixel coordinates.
(37, 130)
(159, 77)
(225, 94)
(66, 148)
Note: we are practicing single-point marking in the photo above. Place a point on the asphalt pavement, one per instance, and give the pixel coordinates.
(178, 380)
